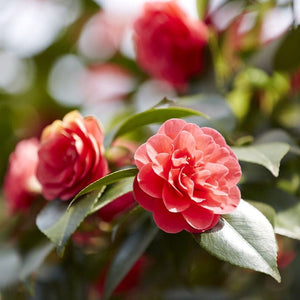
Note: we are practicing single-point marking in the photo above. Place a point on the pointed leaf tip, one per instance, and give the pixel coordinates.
(246, 239)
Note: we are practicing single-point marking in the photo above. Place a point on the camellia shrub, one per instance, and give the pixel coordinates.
(153, 152)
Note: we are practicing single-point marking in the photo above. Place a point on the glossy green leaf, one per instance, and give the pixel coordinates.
(114, 191)
(155, 115)
(244, 238)
(287, 57)
(106, 180)
(58, 222)
(128, 253)
(268, 155)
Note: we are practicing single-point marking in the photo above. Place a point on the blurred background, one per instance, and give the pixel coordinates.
(60, 55)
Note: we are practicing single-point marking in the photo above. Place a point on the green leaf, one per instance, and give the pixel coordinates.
(287, 57)
(287, 208)
(10, 265)
(114, 191)
(106, 180)
(287, 221)
(58, 222)
(34, 258)
(215, 106)
(268, 155)
(154, 115)
(267, 210)
(245, 238)
(128, 253)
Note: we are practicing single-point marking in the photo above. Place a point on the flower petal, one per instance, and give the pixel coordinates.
(150, 182)
(142, 198)
(185, 140)
(172, 127)
(175, 201)
(221, 204)
(199, 217)
(158, 144)
(168, 221)
(141, 156)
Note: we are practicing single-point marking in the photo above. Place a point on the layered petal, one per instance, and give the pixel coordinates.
(168, 44)
(70, 156)
(189, 187)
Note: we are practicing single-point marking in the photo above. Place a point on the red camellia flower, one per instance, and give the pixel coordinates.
(20, 183)
(70, 156)
(169, 45)
(187, 177)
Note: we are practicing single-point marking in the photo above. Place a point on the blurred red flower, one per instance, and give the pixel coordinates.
(121, 152)
(295, 81)
(70, 156)
(285, 254)
(102, 35)
(129, 282)
(117, 207)
(169, 45)
(106, 82)
(187, 177)
(20, 183)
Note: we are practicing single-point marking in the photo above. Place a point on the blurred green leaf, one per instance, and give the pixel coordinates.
(288, 221)
(215, 106)
(34, 258)
(114, 191)
(10, 266)
(201, 8)
(267, 210)
(268, 155)
(244, 238)
(106, 180)
(287, 207)
(58, 222)
(154, 115)
(128, 253)
(287, 57)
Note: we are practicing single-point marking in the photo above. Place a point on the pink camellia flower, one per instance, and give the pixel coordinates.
(187, 177)
(20, 183)
(169, 45)
(70, 156)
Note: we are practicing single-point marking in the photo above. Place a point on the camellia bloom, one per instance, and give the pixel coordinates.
(70, 156)
(20, 183)
(169, 45)
(187, 177)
